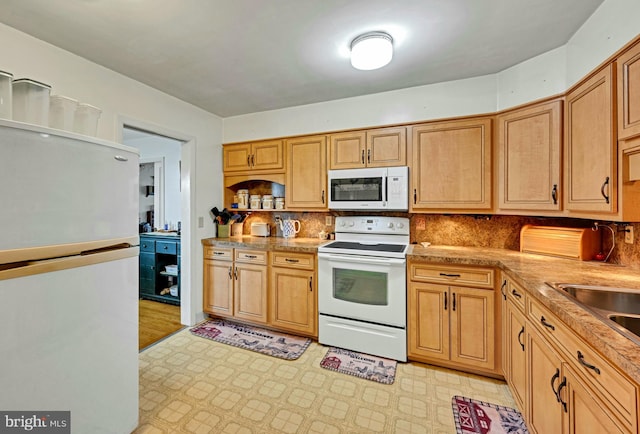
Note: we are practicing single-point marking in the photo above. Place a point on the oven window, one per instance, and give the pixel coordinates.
(356, 189)
(363, 287)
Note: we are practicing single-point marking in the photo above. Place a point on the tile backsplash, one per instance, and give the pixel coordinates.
(494, 231)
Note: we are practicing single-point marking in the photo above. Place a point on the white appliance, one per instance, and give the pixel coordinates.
(381, 188)
(362, 294)
(69, 277)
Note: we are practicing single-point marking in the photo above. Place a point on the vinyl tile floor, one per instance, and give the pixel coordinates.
(189, 384)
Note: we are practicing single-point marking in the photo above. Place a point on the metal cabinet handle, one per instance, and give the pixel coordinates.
(454, 302)
(516, 294)
(250, 256)
(120, 158)
(310, 283)
(553, 380)
(415, 196)
(544, 322)
(369, 156)
(249, 160)
(519, 335)
(504, 294)
(218, 253)
(554, 194)
(293, 261)
(322, 196)
(560, 387)
(363, 156)
(450, 275)
(604, 184)
(587, 365)
(445, 301)
(253, 160)
(235, 273)
(230, 276)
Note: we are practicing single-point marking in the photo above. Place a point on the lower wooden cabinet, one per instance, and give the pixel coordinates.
(239, 284)
(293, 293)
(450, 324)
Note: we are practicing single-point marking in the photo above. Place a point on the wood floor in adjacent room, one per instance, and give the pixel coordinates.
(156, 321)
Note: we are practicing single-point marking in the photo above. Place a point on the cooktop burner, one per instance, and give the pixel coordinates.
(380, 247)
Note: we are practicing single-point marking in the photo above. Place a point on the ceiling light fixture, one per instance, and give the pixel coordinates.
(371, 50)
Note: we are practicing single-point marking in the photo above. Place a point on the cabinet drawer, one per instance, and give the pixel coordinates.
(516, 294)
(168, 247)
(147, 245)
(251, 256)
(448, 275)
(611, 385)
(306, 261)
(220, 253)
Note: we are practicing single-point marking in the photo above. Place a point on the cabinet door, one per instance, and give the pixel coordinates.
(218, 287)
(147, 273)
(529, 158)
(585, 413)
(386, 147)
(590, 142)
(307, 173)
(293, 300)
(267, 155)
(250, 292)
(452, 165)
(628, 67)
(472, 327)
(347, 150)
(515, 354)
(428, 321)
(544, 413)
(236, 158)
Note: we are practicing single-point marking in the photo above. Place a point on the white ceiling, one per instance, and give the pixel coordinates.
(232, 57)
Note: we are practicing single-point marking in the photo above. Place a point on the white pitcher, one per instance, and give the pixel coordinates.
(289, 228)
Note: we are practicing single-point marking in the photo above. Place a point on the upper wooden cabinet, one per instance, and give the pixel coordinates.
(382, 147)
(306, 175)
(264, 156)
(590, 146)
(628, 67)
(529, 145)
(451, 165)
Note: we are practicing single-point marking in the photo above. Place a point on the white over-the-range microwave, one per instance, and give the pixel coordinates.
(375, 189)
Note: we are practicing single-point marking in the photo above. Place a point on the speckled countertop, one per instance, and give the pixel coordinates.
(533, 271)
(528, 270)
(309, 245)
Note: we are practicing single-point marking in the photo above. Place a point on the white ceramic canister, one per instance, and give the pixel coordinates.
(243, 198)
(31, 101)
(6, 92)
(255, 200)
(279, 202)
(62, 111)
(86, 118)
(267, 201)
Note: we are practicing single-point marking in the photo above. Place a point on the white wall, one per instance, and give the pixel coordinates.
(610, 27)
(121, 97)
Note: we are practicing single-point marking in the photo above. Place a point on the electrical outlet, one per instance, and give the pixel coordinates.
(200, 222)
(328, 220)
(628, 235)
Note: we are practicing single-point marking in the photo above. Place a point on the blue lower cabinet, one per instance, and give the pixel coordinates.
(160, 268)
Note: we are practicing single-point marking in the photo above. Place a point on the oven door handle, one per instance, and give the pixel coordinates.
(357, 259)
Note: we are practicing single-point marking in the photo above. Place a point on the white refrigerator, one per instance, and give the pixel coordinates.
(68, 277)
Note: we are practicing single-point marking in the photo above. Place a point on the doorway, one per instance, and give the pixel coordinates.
(164, 192)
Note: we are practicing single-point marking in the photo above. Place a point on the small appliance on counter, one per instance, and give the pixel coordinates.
(260, 229)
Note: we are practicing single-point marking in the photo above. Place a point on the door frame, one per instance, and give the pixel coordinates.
(189, 307)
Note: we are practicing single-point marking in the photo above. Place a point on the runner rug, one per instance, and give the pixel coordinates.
(281, 345)
(360, 365)
(477, 417)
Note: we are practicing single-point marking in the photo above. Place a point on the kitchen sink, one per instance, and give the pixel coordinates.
(617, 307)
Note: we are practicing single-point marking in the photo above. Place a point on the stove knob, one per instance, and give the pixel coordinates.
(351, 224)
(390, 224)
(400, 225)
(343, 223)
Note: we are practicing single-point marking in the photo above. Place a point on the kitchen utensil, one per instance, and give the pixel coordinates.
(289, 228)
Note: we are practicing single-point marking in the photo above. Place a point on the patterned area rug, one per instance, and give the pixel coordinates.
(263, 341)
(477, 417)
(360, 365)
